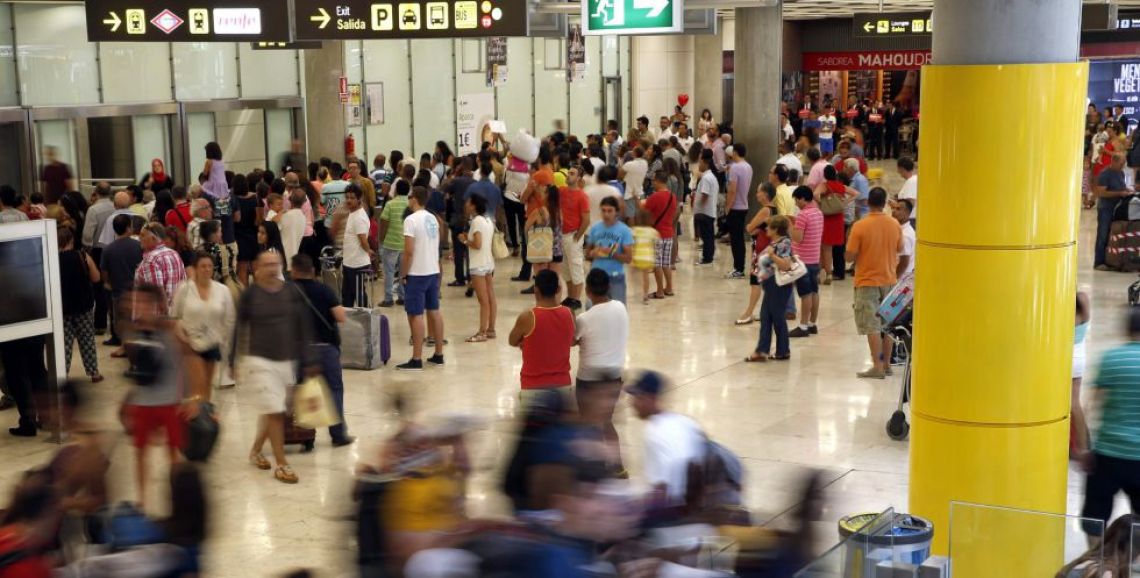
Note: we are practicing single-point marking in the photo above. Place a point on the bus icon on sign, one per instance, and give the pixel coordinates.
(437, 15)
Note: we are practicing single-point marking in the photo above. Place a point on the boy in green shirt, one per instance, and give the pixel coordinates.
(391, 224)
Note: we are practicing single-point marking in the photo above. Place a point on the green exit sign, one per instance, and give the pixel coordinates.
(632, 16)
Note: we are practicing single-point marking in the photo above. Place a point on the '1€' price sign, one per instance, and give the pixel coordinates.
(632, 16)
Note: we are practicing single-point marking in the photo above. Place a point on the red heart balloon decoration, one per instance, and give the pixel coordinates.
(682, 99)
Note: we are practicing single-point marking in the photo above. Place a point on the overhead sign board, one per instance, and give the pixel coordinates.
(186, 21)
(300, 45)
(632, 16)
(366, 19)
(887, 24)
(867, 60)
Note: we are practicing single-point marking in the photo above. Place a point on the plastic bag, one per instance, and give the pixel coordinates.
(312, 405)
(525, 147)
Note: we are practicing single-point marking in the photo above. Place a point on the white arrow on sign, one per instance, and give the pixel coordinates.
(656, 6)
(867, 27)
(323, 18)
(113, 21)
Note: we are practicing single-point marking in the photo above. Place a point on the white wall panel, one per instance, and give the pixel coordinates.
(278, 136)
(9, 90)
(268, 72)
(549, 85)
(57, 65)
(135, 72)
(204, 71)
(386, 62)
(516, 96)
(151, 136)
(586, 94)
(433, 94)
(241, 134)
(201, 130)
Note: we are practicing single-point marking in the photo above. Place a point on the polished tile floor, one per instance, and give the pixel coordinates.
(783, 419)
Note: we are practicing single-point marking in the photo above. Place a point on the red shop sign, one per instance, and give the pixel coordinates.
(867, 60)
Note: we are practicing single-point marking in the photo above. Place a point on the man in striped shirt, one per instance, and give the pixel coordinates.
(161, 265)
(1114, 463)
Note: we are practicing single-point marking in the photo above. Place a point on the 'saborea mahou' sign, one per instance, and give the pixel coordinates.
(867, 60)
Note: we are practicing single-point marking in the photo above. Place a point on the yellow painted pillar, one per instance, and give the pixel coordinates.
(995, 300)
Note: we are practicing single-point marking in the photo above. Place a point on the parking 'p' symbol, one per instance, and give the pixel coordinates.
(381, 16)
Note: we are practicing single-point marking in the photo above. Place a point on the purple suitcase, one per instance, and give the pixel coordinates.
(385, 340)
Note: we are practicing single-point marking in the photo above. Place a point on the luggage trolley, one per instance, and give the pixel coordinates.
(896, 313)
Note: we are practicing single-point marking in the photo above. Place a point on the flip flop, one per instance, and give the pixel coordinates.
(477, 338)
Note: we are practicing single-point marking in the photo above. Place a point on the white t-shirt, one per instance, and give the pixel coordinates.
(909, 241)
(789, 132)
(792, 163)
(672, 442)
(482, 258)
(708, 191)
(826, 126)
(595, 193)
(602, 333)
(434, 182)
(635, 172)
(423, 227)
(292, 225)
(356, 224)
(909, 190)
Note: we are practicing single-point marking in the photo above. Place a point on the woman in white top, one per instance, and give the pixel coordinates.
(1079, 434)
(205, 312)
(481, 266)
(706, 121)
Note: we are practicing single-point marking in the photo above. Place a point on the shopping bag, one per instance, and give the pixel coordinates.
(540, 245)
(312, 405)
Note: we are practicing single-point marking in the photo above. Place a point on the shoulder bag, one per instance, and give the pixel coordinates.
(499, 249)
(540, 244)
(830, 204)
(797, 270)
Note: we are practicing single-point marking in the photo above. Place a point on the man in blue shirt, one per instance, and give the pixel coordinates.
(1114, 463)
(1110, 188)
(609, 245)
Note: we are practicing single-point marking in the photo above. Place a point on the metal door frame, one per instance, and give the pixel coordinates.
(606, 82)
(15, 114)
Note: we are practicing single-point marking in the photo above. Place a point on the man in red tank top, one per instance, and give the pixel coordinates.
(545, 334)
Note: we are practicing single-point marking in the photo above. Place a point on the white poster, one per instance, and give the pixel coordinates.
(473, 112)
(375, 102)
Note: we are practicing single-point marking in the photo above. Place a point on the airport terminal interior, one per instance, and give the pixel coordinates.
(521, 288)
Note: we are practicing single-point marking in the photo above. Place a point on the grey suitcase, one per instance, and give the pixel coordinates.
(365, 338)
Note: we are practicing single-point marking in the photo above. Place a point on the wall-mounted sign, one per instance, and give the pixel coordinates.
(366, 19)
(496, 60)
(867, 60)
(880, 24)
(575, 54)
(302, 45)
(186, 21)
(632, 16)
(473, 112)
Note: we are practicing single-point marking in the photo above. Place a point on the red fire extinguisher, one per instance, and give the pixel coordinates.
(349, 146)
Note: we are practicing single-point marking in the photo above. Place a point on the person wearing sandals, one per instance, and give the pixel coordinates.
(481, 266)
(662, 204)
(78, 274)
(205, 312)
(772, 319)
(273, 332)
(757, 228)
(549, 214)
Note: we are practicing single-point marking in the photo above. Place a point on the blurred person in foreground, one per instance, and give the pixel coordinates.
(273, 335)
(28, 527)
(602, 335)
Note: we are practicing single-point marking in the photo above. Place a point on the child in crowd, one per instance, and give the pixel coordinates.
(644, 240)
(276, 204)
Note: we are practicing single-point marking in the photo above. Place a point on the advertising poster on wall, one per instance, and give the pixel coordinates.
(496, 61)
(473, 115)
(1116, 83)
(575, 54)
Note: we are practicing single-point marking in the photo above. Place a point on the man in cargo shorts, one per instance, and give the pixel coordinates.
(875, 242)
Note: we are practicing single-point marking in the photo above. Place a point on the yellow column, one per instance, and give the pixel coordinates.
(995, 300)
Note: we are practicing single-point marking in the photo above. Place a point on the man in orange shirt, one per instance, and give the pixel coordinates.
(875, 241)
(575, 207)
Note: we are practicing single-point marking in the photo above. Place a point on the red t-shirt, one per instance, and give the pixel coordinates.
(574, 203)
(179, 217)
(663, 206)
(862, 164)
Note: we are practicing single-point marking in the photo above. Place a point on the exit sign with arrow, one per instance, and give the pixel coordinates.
(632, 16)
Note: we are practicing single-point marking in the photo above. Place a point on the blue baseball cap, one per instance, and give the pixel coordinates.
(648, 383)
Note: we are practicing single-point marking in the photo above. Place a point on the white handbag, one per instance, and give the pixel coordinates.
(797, 270)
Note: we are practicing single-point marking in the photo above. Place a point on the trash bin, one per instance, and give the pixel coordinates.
(907, 539)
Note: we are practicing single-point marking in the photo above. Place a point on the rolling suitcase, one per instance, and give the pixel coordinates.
(366, 339)
(898, 301)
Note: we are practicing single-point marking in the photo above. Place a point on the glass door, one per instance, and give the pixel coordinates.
(612, 102)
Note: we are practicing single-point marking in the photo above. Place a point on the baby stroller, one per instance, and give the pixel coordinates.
(896, 311)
